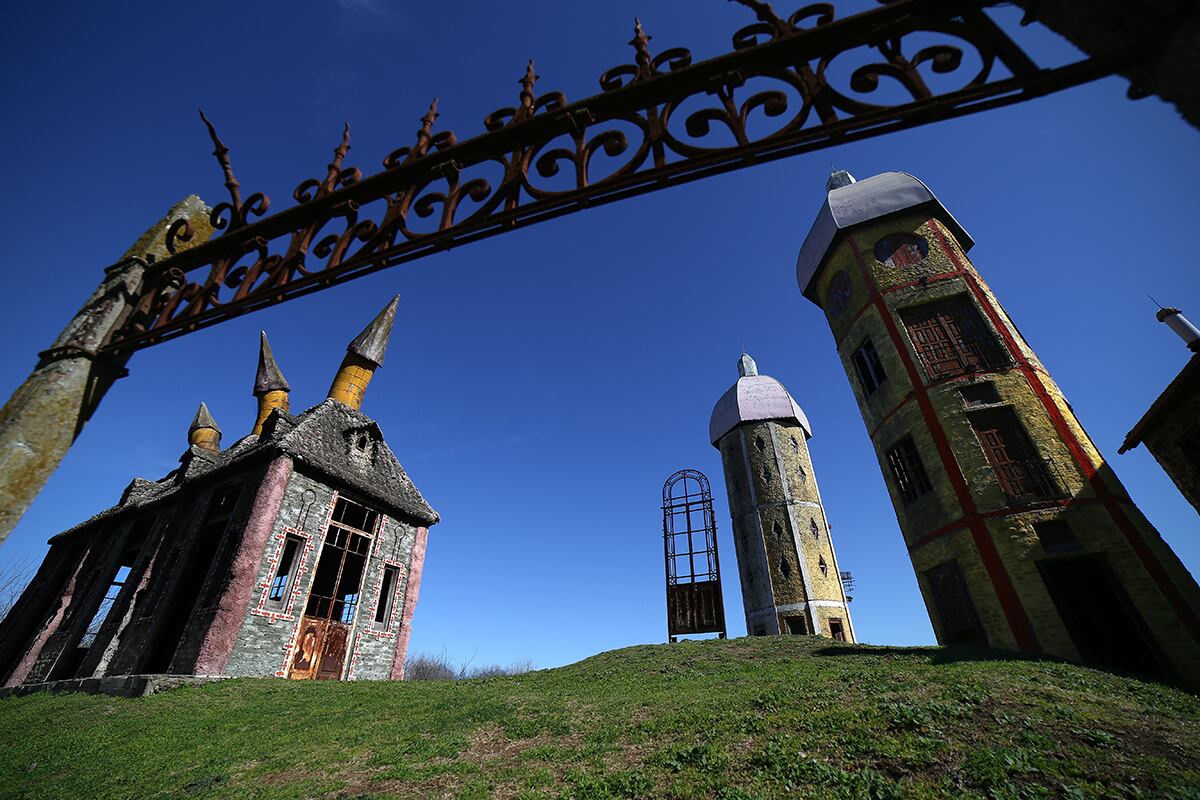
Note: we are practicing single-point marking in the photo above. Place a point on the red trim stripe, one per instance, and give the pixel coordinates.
(1010, 602)
(1126, 526)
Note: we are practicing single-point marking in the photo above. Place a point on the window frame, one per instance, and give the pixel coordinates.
(908, 470)
(869, 367)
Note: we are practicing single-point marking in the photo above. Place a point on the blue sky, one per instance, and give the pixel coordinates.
(543, 384)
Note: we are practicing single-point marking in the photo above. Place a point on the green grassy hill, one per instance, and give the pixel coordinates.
(748, 718)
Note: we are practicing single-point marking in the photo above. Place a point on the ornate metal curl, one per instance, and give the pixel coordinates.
(658, 121)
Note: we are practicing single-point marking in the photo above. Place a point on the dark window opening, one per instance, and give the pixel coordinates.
(1097, 614)
(106, 603)
(1056, 536)
(950, 338)
(812, 526)
(1020, 471)
(760, 444)
(869, 368)
(760, 630)
(176, 612)
(960, 625)
(785, 567)
(351, 515)
(821, 565)
(766, 475)
(908, 470)
(901, 249)
(336, 586)
(836, 630)
(796, 626)
(979, 394)
(120, 576)
(281, 583)
(777, 529)
(383, 611)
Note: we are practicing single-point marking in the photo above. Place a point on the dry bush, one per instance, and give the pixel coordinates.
(429, 667)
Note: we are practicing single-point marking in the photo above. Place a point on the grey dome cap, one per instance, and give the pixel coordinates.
(753, 398)
(854, 202)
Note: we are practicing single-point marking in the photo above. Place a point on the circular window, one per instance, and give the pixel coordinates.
(837, 299)
(901, 249)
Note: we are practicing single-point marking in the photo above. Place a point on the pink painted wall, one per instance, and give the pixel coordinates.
(21, 672)
(218, 643)
(416, 565)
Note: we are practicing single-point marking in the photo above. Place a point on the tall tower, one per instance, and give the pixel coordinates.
(790, 578)
(1021, 536)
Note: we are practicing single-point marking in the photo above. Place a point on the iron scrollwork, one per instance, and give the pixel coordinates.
(662, 120)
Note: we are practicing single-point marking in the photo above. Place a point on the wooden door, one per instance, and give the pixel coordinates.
(934, 346)
(309, 642)
(333, 652)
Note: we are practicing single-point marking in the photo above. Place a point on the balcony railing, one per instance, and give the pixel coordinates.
(1029, 480)
(962, 356)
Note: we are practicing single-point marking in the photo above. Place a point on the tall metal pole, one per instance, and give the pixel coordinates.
(47, 412)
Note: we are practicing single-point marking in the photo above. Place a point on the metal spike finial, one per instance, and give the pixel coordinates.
(527, 82)
(339, 155)
(430, 117)
(203, 419)
(372, 343)
(222, 154)
(641, 43)
(268, 378)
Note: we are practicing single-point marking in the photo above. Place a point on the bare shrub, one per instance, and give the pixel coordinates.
(15, 575)
(429, 667)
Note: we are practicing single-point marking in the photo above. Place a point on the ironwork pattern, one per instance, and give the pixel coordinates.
(694, 601)
(545, 157)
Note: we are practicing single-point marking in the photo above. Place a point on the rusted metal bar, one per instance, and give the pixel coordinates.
(347, 226)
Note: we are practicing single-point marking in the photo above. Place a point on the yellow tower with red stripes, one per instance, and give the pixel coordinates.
(1021, 536)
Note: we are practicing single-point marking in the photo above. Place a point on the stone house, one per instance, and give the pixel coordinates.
(295, 552)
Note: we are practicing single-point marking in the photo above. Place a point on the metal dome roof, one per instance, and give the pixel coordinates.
(753, 398)
(851, 203)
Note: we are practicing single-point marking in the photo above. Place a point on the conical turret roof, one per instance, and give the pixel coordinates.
(268, 378)
(372, 343)
(203, 419)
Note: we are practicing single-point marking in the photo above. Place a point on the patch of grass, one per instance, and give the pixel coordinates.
(743, 719)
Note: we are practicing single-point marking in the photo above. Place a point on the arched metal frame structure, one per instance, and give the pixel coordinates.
(694, 600)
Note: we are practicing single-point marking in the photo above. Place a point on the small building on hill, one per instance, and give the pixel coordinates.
(296, 552)
(1171, 426)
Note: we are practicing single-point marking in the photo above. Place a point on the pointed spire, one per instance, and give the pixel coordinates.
(203, 432)
(203, 419)
(363, 356)
(838, 179)
(746, 366)
(269, 378)
(372, 343)
(270, 387)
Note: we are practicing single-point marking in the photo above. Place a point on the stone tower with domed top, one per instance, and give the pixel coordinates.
(789, 572)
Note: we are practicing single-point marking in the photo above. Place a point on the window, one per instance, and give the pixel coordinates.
(836, 630)
(960, 625)
(821, 565)
(785, 567)
(106, 604)
(766, 474)
(901, 249)
(979, 394)
(796, 626)
(760, 444)
(383, 611)
(338, 579)
(283, 575)
(837, 299)
(777, 529)
(812, 527)
(869, 369)
(950, 338)
(1056, 536)
(911, 478)
(1020, 471)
